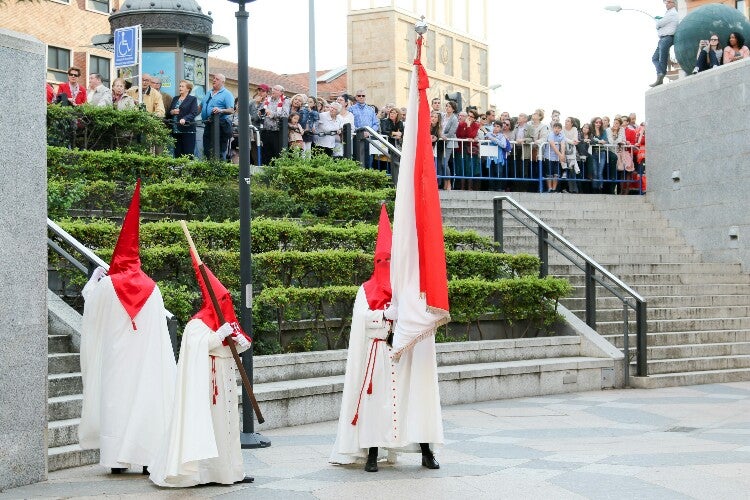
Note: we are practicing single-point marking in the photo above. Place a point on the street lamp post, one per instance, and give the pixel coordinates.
(249, 438)
(617, 8)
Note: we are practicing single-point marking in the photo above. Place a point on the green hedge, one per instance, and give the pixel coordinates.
(105, 128)
(267, 235)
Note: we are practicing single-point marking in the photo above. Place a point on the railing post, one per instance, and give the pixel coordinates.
(498, 205)
(543, 251)
(284, 131)
(346, 138)
(626, 345)
(590, 296)
(215, 136)
(641, 339)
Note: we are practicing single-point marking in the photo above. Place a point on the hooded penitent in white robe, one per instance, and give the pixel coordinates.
(128, 377)
(202, 444)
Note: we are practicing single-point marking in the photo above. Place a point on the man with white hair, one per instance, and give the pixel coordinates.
(218, 104)
(98, 94)
(272, 110)
(151, 97)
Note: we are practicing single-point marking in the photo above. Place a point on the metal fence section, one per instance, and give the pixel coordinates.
(594, 275)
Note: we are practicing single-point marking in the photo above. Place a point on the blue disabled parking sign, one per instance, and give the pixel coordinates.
(126, 46)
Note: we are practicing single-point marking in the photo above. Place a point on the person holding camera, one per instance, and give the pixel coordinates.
(709, 54)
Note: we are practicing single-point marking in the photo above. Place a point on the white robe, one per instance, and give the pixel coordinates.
(128, 377)
(404, 407)
(203, 441)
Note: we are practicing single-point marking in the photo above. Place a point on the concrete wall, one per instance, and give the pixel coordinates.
(698, 163)
(23, 261)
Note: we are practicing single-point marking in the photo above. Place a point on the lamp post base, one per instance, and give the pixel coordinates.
(251, 440)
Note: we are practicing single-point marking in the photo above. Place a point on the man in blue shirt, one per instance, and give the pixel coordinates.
(217, 104)
(364, 116)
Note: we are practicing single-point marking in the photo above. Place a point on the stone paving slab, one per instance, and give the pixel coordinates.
(671, 443)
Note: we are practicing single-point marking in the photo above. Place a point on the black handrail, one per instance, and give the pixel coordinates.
(594, 273)
(92, 262)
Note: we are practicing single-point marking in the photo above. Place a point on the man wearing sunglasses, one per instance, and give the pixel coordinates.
(364, 116)
(72, 88)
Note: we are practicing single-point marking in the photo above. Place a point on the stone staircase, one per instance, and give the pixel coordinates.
(698, 312)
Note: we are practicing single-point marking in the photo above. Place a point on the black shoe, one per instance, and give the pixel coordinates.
(659, 81)
(372, 464)
(246, 479)
(429, 461)
(145, 471)
(118, 470)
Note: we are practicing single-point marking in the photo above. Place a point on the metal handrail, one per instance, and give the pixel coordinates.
(379, 141)
(94, 261)
(594, 273)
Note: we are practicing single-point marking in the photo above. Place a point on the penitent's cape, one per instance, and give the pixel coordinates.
(127, 363)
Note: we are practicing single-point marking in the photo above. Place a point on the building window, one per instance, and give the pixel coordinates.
(58, 62)
(98, 5)
(100, 65)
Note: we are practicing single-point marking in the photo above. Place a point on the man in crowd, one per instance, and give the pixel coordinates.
(127, 364)
(203, 442)
(364, 116)
(151, 98)
(98, 94)
(217, 104)
(76, 93)
(165, 96)
(666, 26)
(436, 105)
(272, 110)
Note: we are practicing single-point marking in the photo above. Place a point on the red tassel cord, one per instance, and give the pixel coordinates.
(369, 371)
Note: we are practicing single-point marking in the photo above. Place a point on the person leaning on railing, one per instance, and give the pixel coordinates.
(467, 156)
(450, 125)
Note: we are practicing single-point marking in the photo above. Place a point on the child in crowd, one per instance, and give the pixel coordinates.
(295, 131)
(496, 164)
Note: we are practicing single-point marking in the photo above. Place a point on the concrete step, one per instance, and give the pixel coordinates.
(62, 432)
(696, 290)
(698, 350)
(708, 268)
(64, 384)
(64, 407)
(578, 301)
(706, 363)
(58, 344)
(690, 378)
(65, 362)
(677, 325)
(66, 457)
(684, 338)
(668, 279)
(668, 313)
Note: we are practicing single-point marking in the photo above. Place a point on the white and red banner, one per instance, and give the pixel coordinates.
(418, 274)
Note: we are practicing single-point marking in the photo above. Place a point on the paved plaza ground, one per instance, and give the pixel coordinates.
(675, 443)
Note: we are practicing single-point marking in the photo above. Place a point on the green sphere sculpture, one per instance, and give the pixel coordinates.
(700, 23)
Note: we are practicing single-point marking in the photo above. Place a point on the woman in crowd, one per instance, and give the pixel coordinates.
(299, 105)
(467, 159)
(709, 54)
(571, 169)
(347, 116)
(450, 125)
(585, 154)
(393, 129)
(183, 110)
(736, 48)
(328, 129)
(313, 115)
(537, 132)
(438, 140)
(615, 139)
(121, 100)
(598, 140)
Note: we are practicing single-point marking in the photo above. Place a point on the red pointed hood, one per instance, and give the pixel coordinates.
(378, 287)
(132, 286)
(207, 314)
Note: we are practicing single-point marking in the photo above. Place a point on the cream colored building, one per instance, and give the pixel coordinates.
(381, 40)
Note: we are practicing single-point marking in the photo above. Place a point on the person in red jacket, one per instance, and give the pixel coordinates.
(76, 93)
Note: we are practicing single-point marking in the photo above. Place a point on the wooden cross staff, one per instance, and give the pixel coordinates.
(245, 380)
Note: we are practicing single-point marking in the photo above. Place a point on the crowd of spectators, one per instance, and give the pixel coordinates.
(472, 149)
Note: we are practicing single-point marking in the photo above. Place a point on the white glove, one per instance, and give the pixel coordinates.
(224, 331)
(98, 273)
(391, 312)
(241, 340)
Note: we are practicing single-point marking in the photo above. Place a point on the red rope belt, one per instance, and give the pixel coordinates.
(370, 370)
